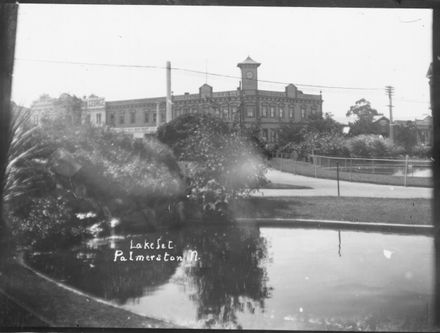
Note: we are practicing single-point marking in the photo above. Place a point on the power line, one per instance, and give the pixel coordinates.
(205, 73)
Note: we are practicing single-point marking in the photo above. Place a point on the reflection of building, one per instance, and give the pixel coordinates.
(246, 105)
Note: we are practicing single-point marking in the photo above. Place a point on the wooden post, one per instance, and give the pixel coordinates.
(405, 174)
(351, 167)
(337, 177)
(314, 163)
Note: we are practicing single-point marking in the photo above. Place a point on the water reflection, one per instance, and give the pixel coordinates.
(263, 278)
(231, 278)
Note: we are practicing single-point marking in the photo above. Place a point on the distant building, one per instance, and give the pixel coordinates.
(66, 106)
(424, 131)
(382, 125)
(93, 110)
(247, 105)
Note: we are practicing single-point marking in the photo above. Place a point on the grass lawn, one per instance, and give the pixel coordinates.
(409, 211)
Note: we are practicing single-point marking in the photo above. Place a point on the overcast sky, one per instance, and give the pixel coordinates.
(359, 48)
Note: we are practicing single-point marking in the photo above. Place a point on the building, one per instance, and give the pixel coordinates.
(66, 106)
(247, 105)
(93, 110)
(424, 131)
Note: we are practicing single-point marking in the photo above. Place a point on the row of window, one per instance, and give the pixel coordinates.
(149, 117)
(224, 113)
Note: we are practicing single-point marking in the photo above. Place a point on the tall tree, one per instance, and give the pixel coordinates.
(363, 115)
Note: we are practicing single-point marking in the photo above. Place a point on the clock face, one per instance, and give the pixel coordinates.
(249, 75)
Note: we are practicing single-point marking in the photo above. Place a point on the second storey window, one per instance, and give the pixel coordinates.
(225, 113)
(291, 113)
(133, 117)
(146, 117)
(154, 117)
(98, 118)
(281, 112)
(121, 118)
(264, 111)
(303, 112)
(112, 118)
(250, 112)
(272, 112)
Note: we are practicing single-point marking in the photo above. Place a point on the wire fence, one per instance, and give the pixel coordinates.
(406, 172)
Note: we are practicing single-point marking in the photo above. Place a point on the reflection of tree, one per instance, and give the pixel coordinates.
(229, 276)
(94, 272)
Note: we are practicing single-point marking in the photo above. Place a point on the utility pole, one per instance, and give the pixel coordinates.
(390, 91)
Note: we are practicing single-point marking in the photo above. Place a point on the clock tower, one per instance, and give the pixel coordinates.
(249, 74)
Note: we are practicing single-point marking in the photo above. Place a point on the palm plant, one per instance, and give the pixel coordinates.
(22, 150)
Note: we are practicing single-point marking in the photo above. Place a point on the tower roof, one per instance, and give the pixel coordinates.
(248, 61)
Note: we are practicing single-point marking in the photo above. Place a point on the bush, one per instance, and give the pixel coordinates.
(82, 169)
(221, 163)
(421, 151)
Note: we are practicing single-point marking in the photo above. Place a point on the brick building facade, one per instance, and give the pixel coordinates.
(247, 105)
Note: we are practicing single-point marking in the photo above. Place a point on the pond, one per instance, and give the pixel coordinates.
(258, 278)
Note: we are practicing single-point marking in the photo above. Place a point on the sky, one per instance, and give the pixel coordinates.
(313, 48)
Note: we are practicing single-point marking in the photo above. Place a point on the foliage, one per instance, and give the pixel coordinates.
(422, 151)
(90, 170)
(298, 132)
(222, 163)
(362, 109)
(363, 115)
(406, 135)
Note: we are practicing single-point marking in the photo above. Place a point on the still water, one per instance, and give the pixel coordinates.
(261, 278)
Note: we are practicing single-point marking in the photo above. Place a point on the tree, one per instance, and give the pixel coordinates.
(406, 135)
(218, 161)
(363, 115)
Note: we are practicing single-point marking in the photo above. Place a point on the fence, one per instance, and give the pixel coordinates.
(406, 172)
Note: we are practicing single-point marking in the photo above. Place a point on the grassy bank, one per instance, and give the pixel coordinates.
(58, 306)
(408, 211)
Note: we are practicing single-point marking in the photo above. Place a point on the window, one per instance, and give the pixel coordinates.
(112, 118)
(281, 112)
(162, 117)
(154, 117)
(133, 117)
(121, 118)
(265, 133)
(314, 110)
(98, 119)
(264, 111)
(291, 112)
(250, 112)
(146, 116)
(271, 135)
(303, 112)
(272, 112)
(225, 114)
